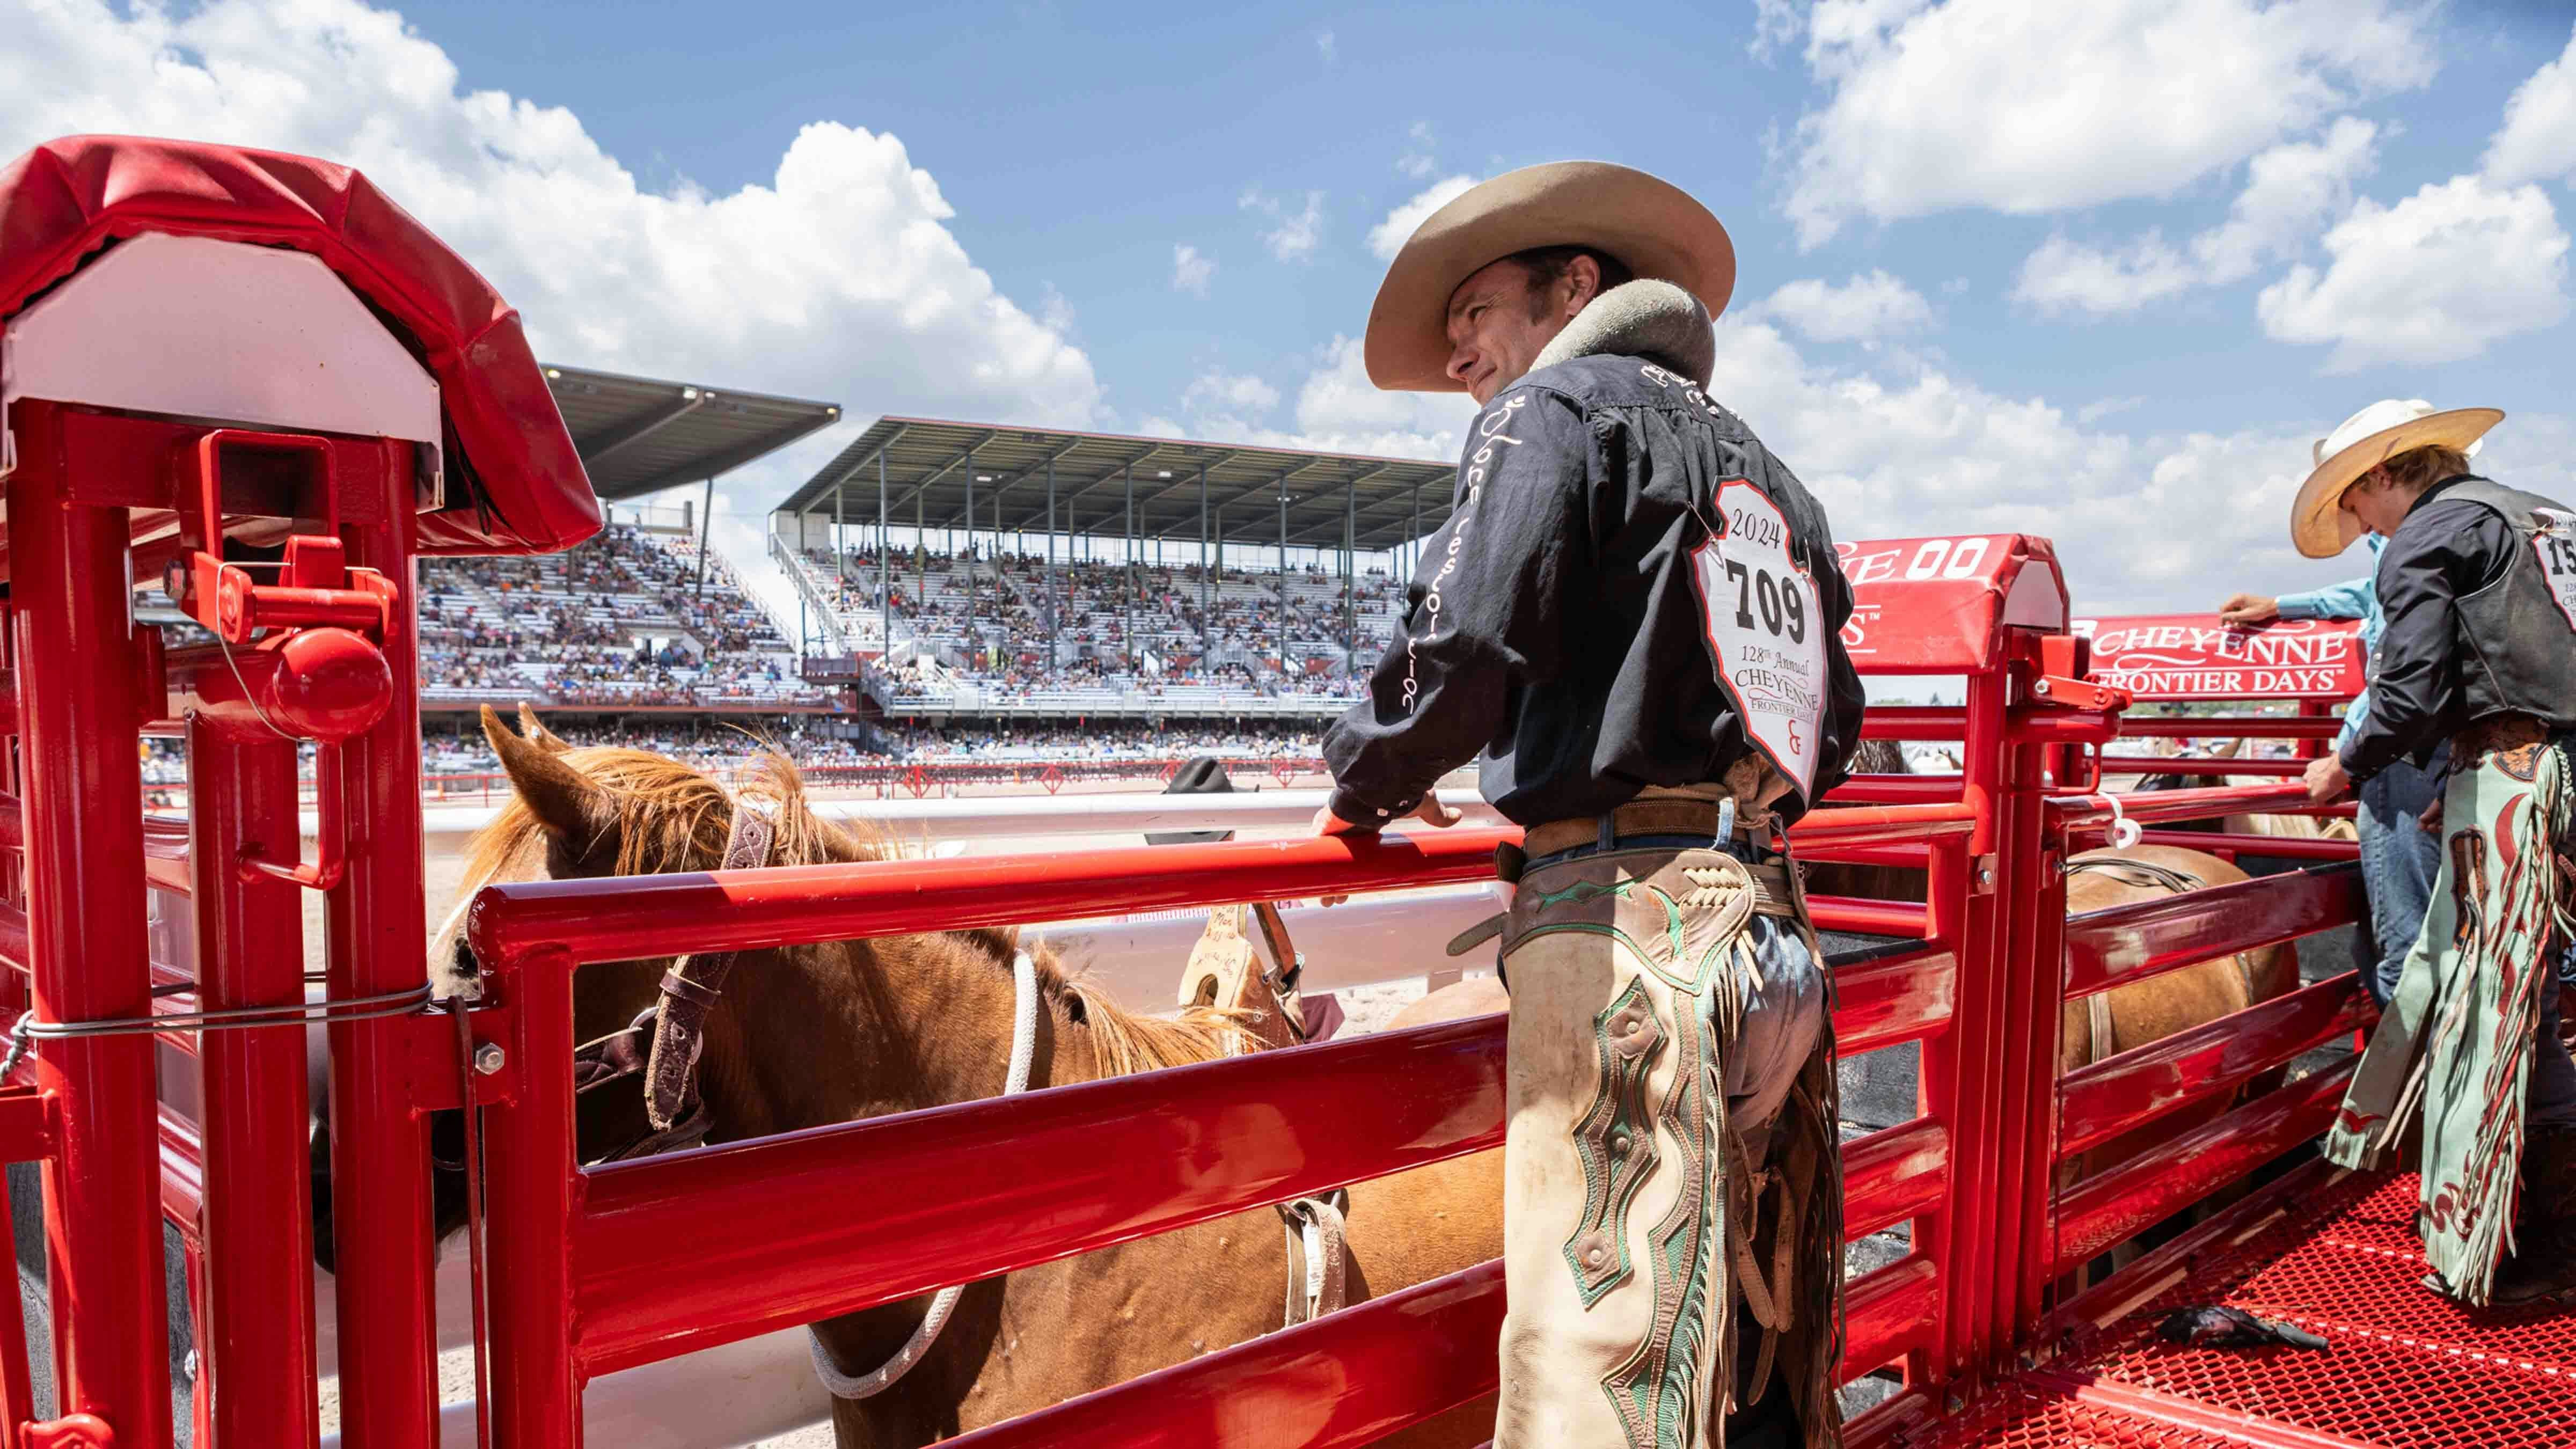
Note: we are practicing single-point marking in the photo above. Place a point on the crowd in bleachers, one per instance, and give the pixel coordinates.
(620, 620)
(985, 614)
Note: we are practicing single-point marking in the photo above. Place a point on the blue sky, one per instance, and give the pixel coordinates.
(2099, 272)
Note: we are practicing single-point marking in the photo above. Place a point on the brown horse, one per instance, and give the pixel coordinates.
(2129, 1016)
(809, 1036)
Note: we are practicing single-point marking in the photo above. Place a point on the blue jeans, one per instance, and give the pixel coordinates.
(2398, 862)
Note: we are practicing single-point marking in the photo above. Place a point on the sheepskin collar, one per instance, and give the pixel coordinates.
(1646, 318)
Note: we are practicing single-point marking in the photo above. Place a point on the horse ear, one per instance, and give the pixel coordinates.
(567, 803)
(536, 733)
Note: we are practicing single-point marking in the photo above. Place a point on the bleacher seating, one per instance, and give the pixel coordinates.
(977, 623)
(617, 621)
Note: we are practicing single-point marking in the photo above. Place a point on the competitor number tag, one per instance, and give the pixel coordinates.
(2556, 545)
(1766, 627)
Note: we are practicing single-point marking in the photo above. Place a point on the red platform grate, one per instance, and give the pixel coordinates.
(2019, 1417)
(2405, 1368)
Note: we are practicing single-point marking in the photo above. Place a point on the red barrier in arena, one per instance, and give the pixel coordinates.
(336, 492)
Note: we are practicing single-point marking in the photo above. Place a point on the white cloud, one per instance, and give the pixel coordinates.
(2434, 278)
(1324, 45)
(1775, 24)
(2063, 275)
(1338, 411)
(1297, 235)
(1865, 308)
(836, 278)
(2033, 106)
(1229, 394)
(1191, 272)
(1388, 236)
(2142, 522)
(2538, 139)
(2290, 190)
(1419, 161)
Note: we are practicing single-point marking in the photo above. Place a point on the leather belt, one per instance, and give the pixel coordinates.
(1637, 817)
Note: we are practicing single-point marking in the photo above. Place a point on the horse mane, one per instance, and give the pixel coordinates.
(673, 817)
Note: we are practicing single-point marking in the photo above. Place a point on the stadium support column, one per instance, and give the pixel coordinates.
(706, 535)
(1351, 575)
(1413, 538)
(1131, 571)
(1203, 563)
(971, 640)
(1054, 612)
(1283, 579)
(885, 569)
(840, 533)
(920, 547)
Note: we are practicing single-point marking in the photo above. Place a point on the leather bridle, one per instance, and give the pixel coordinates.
(663, 1043)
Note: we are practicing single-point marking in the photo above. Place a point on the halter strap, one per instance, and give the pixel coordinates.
(691, 988)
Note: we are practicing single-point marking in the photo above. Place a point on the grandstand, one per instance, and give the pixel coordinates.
(645, 617)
(1235, 589)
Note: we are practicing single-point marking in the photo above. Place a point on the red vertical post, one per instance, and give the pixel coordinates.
(2024, 1054)
(1961, 1084)
(256, 1336)
(380, 1213)
(79, 710)
(530, 1204)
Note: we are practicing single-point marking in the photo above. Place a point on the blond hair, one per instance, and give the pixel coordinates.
(2417, 469)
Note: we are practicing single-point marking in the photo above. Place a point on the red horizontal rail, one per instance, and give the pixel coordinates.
(1092, 1165)
(1934, 723)
(2220, 727)
(1916, 857)
(1895, 790)
(2279, 847)
(1894, 1175)
(2122, 944)
(26, 1124)
(2203, 803)
(2122, 1093)
(634, 917)
(1883, 825)
(1894, 999)
(1867, 917)
(2194, 765)
(1890, 1313)
(13, 937)
(1323, 1384)
(2121, 1203)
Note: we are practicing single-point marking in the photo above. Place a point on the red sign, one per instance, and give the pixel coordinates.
(1938, 605)
(2193, 656)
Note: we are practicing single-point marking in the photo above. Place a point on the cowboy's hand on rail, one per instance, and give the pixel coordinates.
(2430, 822)
(2326, 779)
(2244, 611)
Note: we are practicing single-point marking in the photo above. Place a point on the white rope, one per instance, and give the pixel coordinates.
(1024, 1050)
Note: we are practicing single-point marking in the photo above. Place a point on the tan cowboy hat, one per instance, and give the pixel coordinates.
(1653, 227)
(2379, 432)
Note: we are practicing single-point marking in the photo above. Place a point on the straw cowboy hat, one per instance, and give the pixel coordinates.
(1653, 227)
(2379, 432)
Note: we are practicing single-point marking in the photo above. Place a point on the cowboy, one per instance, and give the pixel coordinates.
(2398, 858)
(1633, 615)
(2478, 585)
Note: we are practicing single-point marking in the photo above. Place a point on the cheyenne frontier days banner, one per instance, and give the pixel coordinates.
(2193, 656)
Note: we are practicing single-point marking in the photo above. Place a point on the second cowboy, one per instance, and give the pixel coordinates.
(2478, 585)
(1633, 616)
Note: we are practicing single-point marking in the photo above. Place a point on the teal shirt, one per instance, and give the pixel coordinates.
(2351, 599)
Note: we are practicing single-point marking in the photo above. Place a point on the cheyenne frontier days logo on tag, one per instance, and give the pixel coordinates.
(2193, 656)
(1766, 627)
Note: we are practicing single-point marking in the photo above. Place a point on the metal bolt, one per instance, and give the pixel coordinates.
(489, 1058)
(2040, 688)
(1985, 875)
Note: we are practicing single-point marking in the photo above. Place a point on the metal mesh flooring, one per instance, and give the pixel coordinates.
(2405, 1368)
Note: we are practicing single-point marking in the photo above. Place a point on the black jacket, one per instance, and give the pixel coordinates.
(2463, 640)
(1556, 623)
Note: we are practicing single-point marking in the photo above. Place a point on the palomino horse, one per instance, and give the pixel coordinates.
(808, 1036)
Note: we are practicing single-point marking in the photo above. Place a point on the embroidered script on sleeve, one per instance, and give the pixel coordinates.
(1491, 428)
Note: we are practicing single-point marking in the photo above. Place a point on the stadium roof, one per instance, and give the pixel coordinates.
(931, 466)
(638, 435)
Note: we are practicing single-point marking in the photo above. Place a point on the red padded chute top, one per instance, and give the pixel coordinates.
(514, 480)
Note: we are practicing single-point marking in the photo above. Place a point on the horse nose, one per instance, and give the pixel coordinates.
(466, 966)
